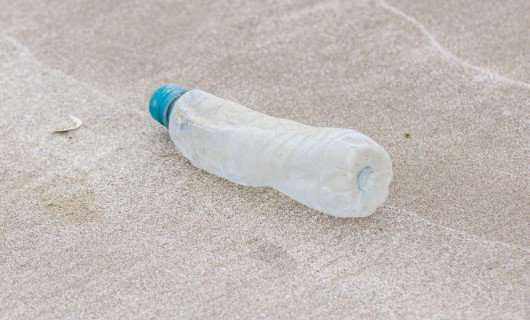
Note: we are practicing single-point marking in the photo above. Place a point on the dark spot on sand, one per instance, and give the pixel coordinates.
(271, 255)
(64, 200)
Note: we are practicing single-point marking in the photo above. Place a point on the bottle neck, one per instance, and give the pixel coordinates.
(163, 101)
(167, 113)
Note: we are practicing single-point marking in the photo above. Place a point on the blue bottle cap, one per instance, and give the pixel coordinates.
(162, 99)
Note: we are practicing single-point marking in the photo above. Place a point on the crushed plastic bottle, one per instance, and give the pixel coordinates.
(340, 172)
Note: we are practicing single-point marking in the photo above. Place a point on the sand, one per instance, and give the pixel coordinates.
(110, 221)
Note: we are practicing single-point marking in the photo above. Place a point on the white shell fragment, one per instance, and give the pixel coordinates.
(337, 171)
(78, 124)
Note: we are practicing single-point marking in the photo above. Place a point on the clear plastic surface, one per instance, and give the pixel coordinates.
(337, 171)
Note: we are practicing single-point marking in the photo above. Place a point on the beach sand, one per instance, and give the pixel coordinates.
(110, 221)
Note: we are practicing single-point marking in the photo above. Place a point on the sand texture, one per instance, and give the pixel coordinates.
(110, 221)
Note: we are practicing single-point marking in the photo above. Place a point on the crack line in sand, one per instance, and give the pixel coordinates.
(465, 235)
(25, 52)
(448, 54)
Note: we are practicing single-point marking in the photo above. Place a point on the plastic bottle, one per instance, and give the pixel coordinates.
(337, 171)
